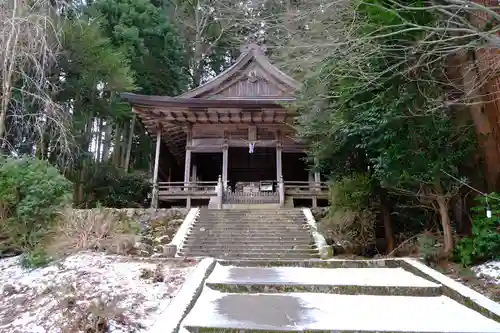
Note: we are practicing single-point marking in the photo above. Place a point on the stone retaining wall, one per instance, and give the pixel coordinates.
(157, 227)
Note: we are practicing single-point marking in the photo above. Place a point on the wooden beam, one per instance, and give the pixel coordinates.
(224, 117)
(212, 117)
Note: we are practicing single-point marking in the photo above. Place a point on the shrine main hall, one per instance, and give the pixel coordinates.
(230, 141)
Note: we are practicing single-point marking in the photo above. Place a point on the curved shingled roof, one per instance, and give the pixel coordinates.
(251, 83)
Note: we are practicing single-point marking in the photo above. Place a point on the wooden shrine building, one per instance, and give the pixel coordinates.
(229, 141)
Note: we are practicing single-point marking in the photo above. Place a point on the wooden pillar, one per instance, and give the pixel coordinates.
(317, 181)
(187, 167)
(312, 188)
(225, 158)
(187, 163)
(154, 197)
(279, 167)
(317, 177)
(194, 176)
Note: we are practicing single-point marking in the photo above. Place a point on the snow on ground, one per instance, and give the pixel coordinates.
(88, 289)
(489, 271)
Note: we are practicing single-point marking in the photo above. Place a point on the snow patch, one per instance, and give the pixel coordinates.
(44, 300)
(489, 271)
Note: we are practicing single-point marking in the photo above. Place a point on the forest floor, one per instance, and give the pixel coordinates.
(483, 278)
(88, 292)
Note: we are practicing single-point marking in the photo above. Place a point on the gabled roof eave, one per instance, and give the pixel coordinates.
(253, 52)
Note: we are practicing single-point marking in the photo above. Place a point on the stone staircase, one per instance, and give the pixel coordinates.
(250, 234)
(335, 296)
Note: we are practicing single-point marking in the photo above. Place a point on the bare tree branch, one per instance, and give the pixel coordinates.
(29, 33)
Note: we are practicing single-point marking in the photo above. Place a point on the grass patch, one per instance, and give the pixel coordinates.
(95, 230)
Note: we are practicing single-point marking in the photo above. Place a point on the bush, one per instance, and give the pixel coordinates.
(31, 194)
(110, 186)
(484, 243)
(351, 218)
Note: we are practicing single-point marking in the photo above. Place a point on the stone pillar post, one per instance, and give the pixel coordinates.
(220, 193)
(154, 197)
(281, 189)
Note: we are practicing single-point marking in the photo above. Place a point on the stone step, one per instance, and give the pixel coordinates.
(255, 218)
(251, 255)
(326, 289)
(256, 221)
(193, 243)
(215, 311)
(250, 226)
(207, 240)
(252, 221)
(262, 210)
(240, 235)
(348, 281)
(234, 226)
(243, 249)
(243, 233)
(246, 226)
(291, 228)
(256, 214)
(256, 246)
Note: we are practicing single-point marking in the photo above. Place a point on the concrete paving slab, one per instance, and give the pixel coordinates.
(313, 311)
(391, 277)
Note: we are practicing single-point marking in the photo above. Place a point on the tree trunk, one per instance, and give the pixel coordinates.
(129, 144)
(117, 146)
(124, 145)
(98, 139)
(7, 72)
(485, 131)
(107, 141)
(445, 224)
(387, 219)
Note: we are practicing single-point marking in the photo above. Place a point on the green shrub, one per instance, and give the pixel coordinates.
(484, 243)
(428, 248)
(352, 213)
(110, 186)
(32, 192)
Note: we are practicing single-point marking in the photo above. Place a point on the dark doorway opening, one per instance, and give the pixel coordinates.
(251, 167)
(208, 166)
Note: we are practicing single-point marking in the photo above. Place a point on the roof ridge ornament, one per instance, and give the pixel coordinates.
(261, 49)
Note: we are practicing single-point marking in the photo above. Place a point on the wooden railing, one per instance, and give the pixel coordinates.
(251, 197)
(213, 190)
(306, 189)
(181, 190)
